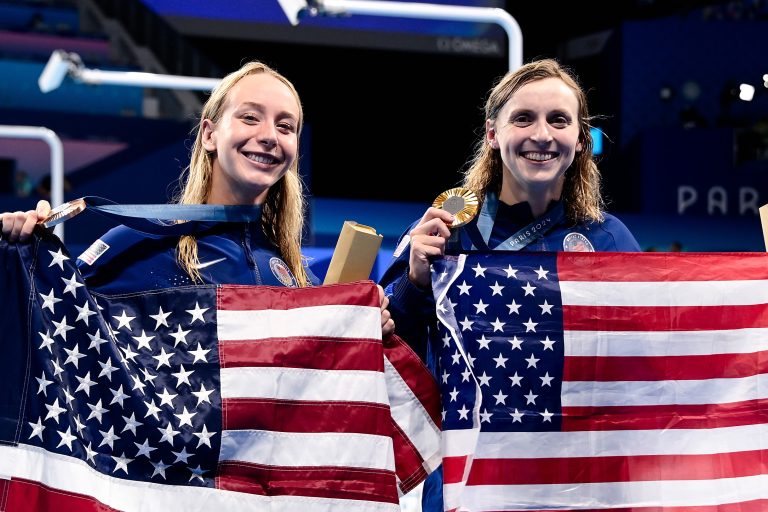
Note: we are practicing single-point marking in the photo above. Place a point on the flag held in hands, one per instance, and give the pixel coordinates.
(604, 381)
(203, 397)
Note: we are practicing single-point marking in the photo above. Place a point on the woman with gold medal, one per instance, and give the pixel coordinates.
(537, 187)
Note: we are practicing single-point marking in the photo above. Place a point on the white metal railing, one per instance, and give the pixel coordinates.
(293, 8)
(57, 160)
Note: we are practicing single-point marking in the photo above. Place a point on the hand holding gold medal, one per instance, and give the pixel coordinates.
(429, 240)
(460, 202)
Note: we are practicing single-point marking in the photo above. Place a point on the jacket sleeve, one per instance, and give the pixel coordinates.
(622, 237)
(412, 308)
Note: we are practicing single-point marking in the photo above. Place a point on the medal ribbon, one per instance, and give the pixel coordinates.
(480, 232)
(161, 219)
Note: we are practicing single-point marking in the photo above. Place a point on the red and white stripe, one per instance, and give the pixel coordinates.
(32, 478)
(664, 395)
(308, 396)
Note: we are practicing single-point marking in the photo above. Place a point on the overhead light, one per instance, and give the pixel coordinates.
(746, 92)
(62, 64)
(56, 69)
(691, 90)
(666, 92)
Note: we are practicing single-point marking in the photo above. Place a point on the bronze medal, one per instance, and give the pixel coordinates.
(462, 203)
(63, 212)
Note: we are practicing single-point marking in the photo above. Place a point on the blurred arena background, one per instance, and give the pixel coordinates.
(393, 106)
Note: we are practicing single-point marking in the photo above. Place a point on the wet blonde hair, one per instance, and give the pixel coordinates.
(581, 190)
(282, 216)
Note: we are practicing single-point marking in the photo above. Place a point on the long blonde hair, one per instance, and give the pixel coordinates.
(282, 216)
(581, 190)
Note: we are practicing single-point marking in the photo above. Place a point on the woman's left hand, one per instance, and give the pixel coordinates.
(387, 324)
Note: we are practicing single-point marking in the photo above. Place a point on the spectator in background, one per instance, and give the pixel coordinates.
(43, 188)
(22, 184)
(37, 23)
(690, 117)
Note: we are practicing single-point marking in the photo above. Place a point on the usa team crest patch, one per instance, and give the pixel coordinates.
(281, 271)
(576, 242)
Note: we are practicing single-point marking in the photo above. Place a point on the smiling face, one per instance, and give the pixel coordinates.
(254, 142)
(537, 135)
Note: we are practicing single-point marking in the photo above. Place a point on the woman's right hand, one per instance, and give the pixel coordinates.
(428, 240)
(18, 226)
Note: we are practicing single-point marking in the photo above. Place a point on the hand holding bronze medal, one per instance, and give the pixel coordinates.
(460, 202)
(63, 212)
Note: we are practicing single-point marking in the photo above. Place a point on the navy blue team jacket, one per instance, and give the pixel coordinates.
(125, 260)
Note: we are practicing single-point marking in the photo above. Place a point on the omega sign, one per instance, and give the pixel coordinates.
(474, 46)
(718, 200)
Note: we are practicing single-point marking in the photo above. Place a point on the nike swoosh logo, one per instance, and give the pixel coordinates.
(209, 263)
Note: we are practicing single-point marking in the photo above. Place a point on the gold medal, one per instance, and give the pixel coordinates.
(460, 202)
(63, 212)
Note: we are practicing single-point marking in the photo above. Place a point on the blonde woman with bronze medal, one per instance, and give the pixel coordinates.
(244, 156)
(537, 186)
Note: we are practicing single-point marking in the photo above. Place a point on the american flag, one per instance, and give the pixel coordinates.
(204, 397)
(604, 381)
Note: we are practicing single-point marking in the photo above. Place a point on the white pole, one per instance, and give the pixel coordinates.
(57, 160)
(141, 79)
(439, 12)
